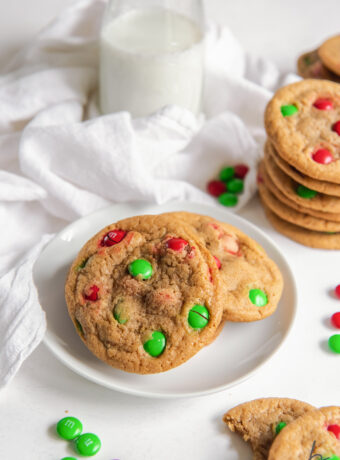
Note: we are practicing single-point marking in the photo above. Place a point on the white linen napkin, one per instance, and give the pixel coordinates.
(61, 159)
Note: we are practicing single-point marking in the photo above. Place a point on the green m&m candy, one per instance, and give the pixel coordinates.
(334, 457)
(156, 344)
(258, 297)
(88, 444)
(69, 428)
(227, 173)
(228, 199)
(198, 317)
(288, 110)
(235, 185)
(82, 264)
(141, 268)
(119, 312)
(68, 458)
(305, 192)
(279, 427)
(334, 343)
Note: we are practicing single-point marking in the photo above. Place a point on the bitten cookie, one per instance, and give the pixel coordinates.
(251, 282)
(316, 433)
(144, 294)
(259, 421)
(303, 122)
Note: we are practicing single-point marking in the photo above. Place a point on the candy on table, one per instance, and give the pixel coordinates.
(228, 199)
(156, 344)
(229, 184)
(141, 268)
(227, 173)
(334, 343)
(198, 317)
(258, 297)
(323, 156)
(69, 428)
(88, 444)
(289, 110)
(235, 185)
(241, 171)
(335, 319)
(305, 192)
(216, 188)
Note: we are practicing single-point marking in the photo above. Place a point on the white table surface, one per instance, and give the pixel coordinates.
(141, 429)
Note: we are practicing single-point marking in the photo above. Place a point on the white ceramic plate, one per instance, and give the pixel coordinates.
(228, 361)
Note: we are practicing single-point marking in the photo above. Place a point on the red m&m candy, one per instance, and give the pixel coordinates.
(241, 171)
(336, 127)
(92, 293)
(323, 156)
(335, 429)
(335, 319)
(323, 104)
(113, 237)
(177, 244)
(216, 187)
(337, 291)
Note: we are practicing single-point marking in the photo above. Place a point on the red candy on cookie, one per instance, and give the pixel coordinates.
(335, 429)
(241, 171)
(177, 244)
(336, 127)
(216, 187)
(323, 104)
(113, 237)
(323, 156)
(92, 293)
(335, 320)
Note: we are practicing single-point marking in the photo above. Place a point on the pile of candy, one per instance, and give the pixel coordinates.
(229, 184)
(334, 340)
(87, 444)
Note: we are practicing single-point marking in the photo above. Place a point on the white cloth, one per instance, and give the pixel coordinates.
(59, 159)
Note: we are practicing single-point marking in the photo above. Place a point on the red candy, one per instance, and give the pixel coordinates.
(216, 187)
(93, 293)
(336, 127)
(218, 262)
(337, 291)
(323, 156)
(335, 319)
(177, 244)
(241, 171)
(335, 429)
(113, 237)
(323, 104)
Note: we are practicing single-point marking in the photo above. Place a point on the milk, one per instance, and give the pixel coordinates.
(149, 58)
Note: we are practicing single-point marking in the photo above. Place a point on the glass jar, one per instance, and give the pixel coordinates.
(151, 55)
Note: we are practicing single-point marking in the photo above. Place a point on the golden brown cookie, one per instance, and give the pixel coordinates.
(291, 215)
(259, 421)
(296, 192)
(251, 282)
(312, 435)
(320, 186)
(303, 236)
(329, 53)
(309, 65)
(302, 122)
(144, 294)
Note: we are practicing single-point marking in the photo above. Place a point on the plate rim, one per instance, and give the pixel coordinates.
(59, 353)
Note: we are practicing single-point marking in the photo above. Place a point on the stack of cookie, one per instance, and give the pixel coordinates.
(323, 63)
(299, 177)
(147, 293)
(287, 429)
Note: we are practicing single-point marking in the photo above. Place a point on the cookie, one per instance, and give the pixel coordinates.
(315, 434)
(334, 217)
(297, 192)
(302, 123)
(251, 282)
(295, 217)
(303, 236)
(329, 53)
(309, 65)
(259, 421)
(144, 294)
(320, 186)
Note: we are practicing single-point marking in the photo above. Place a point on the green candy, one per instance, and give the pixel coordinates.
(288, 110)
(235, 185)
(334, 457)
(69, 428)
(119, 313)
(258, 297)
(227, 173)
(82, 264)
(198, 317)
(88, 444)
(68, 458)
(307, 60)
(279, 427)
(228, 199)
(155, 346)
(141, 268)
(334, 343)
(79, 327)
(305, 192)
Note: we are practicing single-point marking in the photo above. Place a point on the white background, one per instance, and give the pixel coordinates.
(138, 429)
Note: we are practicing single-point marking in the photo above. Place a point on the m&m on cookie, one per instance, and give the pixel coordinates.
(258, 297)
(156, 344)
(323, 104)
(198, 317)
(323, 156)
(141, 268)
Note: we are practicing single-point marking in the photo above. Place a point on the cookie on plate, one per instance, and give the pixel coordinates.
(302, 121)
(144, 294)
(259, 421)
(329, 53)
(251, 282)
(315, 434)
(309, 65)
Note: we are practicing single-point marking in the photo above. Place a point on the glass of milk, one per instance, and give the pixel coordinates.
(151, 55)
